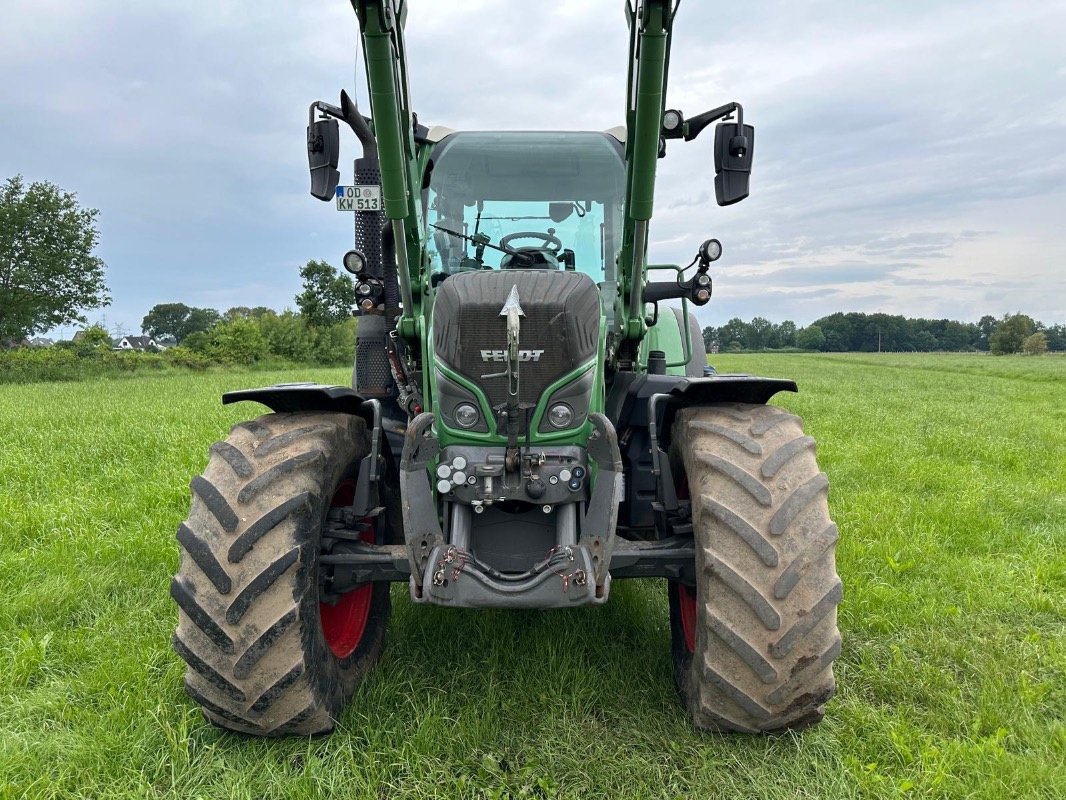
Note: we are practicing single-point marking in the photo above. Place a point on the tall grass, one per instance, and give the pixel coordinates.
(949, 487)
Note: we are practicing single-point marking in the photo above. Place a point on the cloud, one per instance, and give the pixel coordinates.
(908, 156)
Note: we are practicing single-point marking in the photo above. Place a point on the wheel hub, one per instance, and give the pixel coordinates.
(344, 622)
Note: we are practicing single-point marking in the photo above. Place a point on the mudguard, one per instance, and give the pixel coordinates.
(287, 397)
(628, 401)
(643, 407)
(306, 397)
(728, 389)
(688, 392)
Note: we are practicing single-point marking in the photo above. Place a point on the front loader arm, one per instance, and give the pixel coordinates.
(650, 27)
(381, 24)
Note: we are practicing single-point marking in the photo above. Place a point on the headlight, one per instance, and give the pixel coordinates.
(354, 262)
(561, 415)
(466, 415)
(711, 250)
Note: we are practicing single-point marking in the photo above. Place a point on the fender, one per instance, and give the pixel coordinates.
(643, 407)
(739, 388)
(306, 397)
(288, 397)
(628, 402)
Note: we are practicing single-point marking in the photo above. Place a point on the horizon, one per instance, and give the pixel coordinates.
(140, 331)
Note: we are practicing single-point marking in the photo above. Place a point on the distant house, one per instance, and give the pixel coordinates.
(135, 343)
(39, 341)
(165, 341)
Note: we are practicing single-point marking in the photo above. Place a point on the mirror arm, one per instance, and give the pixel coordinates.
(359, 124)
(350, 115)
(697, 289)
(695, 125)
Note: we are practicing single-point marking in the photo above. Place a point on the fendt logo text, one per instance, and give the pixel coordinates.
(501, 355)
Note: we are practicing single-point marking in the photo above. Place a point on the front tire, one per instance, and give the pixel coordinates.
(264, 656)
(754, 641)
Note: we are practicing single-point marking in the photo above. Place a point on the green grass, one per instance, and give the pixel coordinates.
(949, 487)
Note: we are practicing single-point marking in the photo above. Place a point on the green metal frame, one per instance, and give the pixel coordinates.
(686, 334)
(650, 34)
(402, 160)
(382, 23)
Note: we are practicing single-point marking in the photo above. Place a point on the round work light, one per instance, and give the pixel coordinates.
(466, 415)
(561, 415)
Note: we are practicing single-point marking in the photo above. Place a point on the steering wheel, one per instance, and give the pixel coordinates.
(552, 242)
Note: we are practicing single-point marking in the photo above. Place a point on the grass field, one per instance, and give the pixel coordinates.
(948, 482)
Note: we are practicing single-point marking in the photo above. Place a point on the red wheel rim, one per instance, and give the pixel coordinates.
(686, 607)
(344, 624)
(686, 595)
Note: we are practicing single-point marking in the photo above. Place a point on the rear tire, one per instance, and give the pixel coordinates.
(754, 642)
(250, 626)
(698, 358)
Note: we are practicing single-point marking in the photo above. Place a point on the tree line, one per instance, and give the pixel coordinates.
(321, 331)
(859, 332)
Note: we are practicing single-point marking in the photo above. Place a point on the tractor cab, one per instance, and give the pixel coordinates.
(524, 200)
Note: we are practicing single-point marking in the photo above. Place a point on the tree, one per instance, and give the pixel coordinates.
(48, 272)
(758, 333)
(732, 334)
(1035, 345)
(1010, 334)
(244, 312)
(94, 339)
(986, 326)
(785, 334)
(925, 342)
(810, 338)
(328, 296)
(178, 320)
(1056, 338)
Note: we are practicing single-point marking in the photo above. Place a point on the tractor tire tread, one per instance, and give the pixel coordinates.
(767, 588)
(246, 588)
(201, 553)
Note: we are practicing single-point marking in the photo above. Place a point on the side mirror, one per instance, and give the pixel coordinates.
(560, 212)
(323, 152)
(733, 148)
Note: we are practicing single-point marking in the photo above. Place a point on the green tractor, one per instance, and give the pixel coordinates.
(528, 422)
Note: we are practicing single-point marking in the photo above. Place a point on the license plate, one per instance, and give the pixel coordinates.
(359, 198)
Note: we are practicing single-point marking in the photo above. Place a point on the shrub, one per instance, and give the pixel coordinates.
(185, 358)
(1035, 345)
(94, 340)
(25, 365)
(236, 342)
(288, 336)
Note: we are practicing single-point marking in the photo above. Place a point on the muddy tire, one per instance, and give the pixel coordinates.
(264, 657)
(754, 642)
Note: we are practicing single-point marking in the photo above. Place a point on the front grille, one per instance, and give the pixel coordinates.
(561, 319)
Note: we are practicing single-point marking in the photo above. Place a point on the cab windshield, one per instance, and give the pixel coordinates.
(517, 200)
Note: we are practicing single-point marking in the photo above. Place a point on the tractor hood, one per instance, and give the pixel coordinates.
(559, 330)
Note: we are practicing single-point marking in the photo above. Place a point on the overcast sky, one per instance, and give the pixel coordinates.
(910, 156)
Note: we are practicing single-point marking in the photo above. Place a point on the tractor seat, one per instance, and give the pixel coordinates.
(542, 259)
